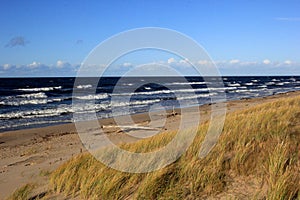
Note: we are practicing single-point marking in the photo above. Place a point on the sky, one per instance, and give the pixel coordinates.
(52, 38)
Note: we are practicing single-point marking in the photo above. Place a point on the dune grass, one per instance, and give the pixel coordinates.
(22, 193)
(262, 142)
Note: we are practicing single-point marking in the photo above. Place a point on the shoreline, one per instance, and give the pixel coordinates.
(28, 155)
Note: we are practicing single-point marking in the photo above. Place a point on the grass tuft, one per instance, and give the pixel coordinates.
(261, 143)
(22, 193)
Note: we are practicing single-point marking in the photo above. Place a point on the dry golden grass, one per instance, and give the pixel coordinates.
(22, 193)
(261, 142)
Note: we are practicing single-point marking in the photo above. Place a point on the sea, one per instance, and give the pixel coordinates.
(39, 102)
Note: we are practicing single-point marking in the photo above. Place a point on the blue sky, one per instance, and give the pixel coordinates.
(51, 38)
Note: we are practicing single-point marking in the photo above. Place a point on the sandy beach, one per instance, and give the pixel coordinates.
(29, 155)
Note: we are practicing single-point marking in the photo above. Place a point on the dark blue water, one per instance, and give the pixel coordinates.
(36, 102)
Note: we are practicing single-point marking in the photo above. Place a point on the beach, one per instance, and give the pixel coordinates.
(30, 155)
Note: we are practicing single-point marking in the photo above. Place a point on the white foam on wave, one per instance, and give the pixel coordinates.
(127, 84)
(250, 90)
(29, 99)
(270, 83)
(40, 95)
(33, 113)
(142, 93)
(21, 102)
(88, 108)
(146, 102)
(142, 102)
(33, 123)
(90, 97)
(262, 86)
(84, 86)
(197, 96)
(249, 84)
(43, 89)
(187, 83)
(234, 84)
(241, 91)
(190, 90)
(25, 102)
(51, 112)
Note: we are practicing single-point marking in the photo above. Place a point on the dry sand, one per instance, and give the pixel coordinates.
(29, 155)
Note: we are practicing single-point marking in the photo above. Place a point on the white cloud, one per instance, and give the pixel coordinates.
(34, 64)
(203, 62)
(171, 60)
(127, 64)
(184, 61)
(266, 61)
(288, 62)
(61, 64)
(234, 61)
(228, 67)
(7, 66)
(248, 63)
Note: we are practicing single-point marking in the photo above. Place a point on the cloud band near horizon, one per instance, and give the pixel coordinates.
(184, 67)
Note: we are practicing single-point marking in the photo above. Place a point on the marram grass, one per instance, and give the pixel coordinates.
(262, 142)
(22, 193)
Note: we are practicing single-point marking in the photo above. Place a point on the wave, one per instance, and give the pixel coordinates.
(142, 102)
(91, 97)
(142, 93)
(30, 99)
(234, 84)
(127, 84)
(191, 90)
(26, 124)
(35, 113)
(262, 86)
(52, 112)
(40, 95)
(187, 83)
(270, 83)
(197, 96)
(25, 102)
(42, 89)
(241, 91)
(84, 86)
(250, 90)
(146, 102)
